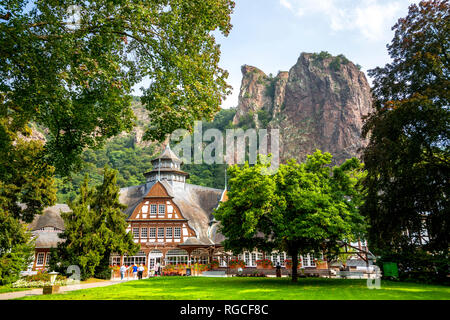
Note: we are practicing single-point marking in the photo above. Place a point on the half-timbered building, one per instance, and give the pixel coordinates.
(172, 221)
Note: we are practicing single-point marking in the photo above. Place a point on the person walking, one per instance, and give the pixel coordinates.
(140, 271)
(123, 269)
(135, 271)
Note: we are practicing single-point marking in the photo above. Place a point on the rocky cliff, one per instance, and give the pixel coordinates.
(318, 104)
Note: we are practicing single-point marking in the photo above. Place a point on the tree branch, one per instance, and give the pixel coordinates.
(5, 16)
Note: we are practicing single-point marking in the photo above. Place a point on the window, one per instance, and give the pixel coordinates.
(274, 259)
(177, 256)
(136, 233)
(253, 259)
(160, 233)
(247, 259)
(169, 232)
(177, 232)
(161, 211)
(308, 260)
(153, 210)
(152, 232)
(47, 260)
(144, 232)
(138, 259)
(114, 261)
(40, 259)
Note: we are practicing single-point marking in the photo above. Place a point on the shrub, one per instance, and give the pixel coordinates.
(22, 283)
(264, 118)
(418, 265)
(321, 56)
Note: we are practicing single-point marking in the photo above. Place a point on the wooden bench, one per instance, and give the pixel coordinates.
(350, 274)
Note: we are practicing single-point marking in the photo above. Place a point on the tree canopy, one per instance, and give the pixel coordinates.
(303, 208)
(407, 158)
(75, 79)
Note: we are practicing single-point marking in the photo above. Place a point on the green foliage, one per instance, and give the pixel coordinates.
(408, 155)
(211, 175)
(246, 121)
(321, 56)
(131, 161)
(77, 82)
(270, 87)
(16, 248)
(26, 188)
(95, 228)
(120, 153)
(417, 265)
(303, 208)
(261, 80)
(335, 64)
(264, 118)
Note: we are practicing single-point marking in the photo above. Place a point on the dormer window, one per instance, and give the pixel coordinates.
(153, 210)
(161, 211)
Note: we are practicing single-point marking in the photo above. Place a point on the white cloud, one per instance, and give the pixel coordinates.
(372, 18)
(286, 4)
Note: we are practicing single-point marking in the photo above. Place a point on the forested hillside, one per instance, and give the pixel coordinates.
(131, 157)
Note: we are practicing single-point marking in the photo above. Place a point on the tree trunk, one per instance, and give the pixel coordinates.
(294, 267)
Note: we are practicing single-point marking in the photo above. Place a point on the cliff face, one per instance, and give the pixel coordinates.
(318, 104)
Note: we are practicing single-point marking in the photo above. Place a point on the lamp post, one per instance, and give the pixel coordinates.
(52, 288)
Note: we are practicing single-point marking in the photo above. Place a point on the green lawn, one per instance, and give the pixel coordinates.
(193, 288)
(5, 289)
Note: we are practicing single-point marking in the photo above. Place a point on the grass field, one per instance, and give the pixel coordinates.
(193, 288)
(5, 289)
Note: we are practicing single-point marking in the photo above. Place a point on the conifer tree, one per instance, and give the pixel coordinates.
(110, 222)
(95, 228)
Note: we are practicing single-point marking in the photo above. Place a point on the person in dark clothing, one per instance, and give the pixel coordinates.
(140, 271)
(278, 270)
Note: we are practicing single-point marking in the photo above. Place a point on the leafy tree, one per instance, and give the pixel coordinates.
(407, 158)
(16, 247)
(75, 79)
(95, 228)
(26, 187)
(303, 208)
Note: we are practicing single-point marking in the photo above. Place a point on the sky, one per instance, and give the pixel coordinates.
(271, 34)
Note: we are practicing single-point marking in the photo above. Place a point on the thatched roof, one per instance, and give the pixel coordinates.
(46, 239)
(51, 217)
